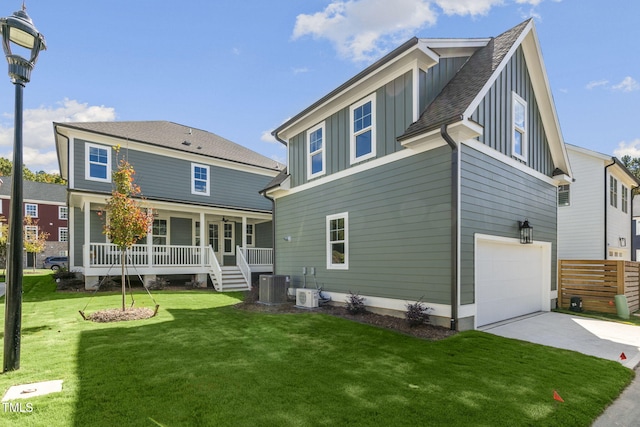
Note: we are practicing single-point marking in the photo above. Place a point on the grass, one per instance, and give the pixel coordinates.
(202, 362)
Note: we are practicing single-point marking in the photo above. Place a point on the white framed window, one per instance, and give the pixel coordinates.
(624, 199)
(200, 179)
(228, 238)
(613, 192)
(159, 232)
(519, 142)
(564, 192)
(362, 129)
(31, 209)
(30, 232)
(316, 151)
(98, 166)
(338, 241)
(63, 234)
(63, 212)
(251, 235)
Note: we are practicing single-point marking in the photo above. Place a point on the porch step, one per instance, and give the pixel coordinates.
(232, 280)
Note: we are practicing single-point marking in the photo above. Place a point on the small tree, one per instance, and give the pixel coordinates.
(128, 221)
(33, 241)
(4, 238)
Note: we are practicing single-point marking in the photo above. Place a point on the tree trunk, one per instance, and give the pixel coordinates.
(123, 259)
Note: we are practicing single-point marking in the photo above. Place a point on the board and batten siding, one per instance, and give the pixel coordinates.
(169, 178)
(493, 198)
(494, 114)
(77, 234)
(399, 230)
(394, 114)
(436, 78)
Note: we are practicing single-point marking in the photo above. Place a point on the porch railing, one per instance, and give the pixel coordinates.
(242, 264)
(257, 256)
(106, 255)
(214, 266)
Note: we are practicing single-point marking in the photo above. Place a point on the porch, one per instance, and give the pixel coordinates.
(149, 260)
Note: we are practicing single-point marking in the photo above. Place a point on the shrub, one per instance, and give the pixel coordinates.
(417, 313)
(355, 304)
(158, 283)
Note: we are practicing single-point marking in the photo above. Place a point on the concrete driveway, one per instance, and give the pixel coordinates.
(607, 340)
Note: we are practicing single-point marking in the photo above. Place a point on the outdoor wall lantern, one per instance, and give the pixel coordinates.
(526, 232)
(19, 34)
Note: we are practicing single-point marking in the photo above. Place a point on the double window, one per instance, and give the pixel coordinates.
(363, 129)
(200, 179)
(338, 241)
(316, 151)
(98, 165)
(519, 144)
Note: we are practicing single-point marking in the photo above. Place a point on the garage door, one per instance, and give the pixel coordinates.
(510, 280)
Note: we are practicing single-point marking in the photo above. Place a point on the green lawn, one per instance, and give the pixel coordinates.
(202, 362)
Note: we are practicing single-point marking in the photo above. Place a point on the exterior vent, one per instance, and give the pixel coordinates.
(307, 298)
(187, 143)
(273, 289)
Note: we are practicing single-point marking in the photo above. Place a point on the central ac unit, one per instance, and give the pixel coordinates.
(273, 289)
(307, 298)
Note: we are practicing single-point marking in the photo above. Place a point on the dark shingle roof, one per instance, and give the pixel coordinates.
(178, 137)
(463, 88)
(275, 182)
(36, 190)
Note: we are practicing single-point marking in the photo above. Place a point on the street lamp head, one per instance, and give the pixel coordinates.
(18, 29)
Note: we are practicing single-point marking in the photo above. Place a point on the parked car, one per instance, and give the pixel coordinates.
(56, 262)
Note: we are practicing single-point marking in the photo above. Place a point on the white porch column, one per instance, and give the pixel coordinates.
(203, 244)
(86, 248)
(244, 232)
(150, 244)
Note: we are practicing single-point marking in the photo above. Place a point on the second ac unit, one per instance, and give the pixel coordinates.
(307, 298)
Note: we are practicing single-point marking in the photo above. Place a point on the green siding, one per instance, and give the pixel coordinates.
(77, 236)
(494, 114)
(180, 231)
(264, 235)
(399, 230)
(494, 197)
(394, 113)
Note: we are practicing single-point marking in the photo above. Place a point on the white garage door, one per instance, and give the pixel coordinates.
(510, 280)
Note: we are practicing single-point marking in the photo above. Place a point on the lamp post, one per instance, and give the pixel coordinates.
(17, 31)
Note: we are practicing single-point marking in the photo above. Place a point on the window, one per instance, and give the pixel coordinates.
(338, 241)
(98, 163)
(563, 195)
(197, 234)
(31, 233)
(159, 232)
(213, 237)
(613, 192)
(250, 234)
(315, 151)
(362, 129)
(63, 234)
(228, 238)
(63, 212)
(199, 179)
(31, 210)
(625, 199)
(519, 131)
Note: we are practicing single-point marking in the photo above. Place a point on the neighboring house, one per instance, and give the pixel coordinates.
(409, 182)
(46, 204)
(594, 211)
(210, 220)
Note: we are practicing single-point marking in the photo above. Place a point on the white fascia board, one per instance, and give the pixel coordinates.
(62, 150)
(407, 61)
(588, 152)
(165, 151)
(453, 48)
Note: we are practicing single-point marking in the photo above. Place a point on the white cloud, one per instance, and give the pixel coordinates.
(267, 137)
(631, 148)
(300, 70)
(363, 30)
(39, 150)
(597, 83)
(628, 84)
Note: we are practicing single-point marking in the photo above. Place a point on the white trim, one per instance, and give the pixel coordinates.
(522, 130)
(416, 91)
(330, 264)
(193, 179)
(223, 237)
(60, 208)
(353, 134)
(247, 234)
(87, 162)
(545, 301)
(320, 126)
(26, 205)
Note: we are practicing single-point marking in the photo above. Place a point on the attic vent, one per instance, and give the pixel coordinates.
(187, 143)
(199, 147)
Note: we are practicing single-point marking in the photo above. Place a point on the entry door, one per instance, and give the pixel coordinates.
(214, 240)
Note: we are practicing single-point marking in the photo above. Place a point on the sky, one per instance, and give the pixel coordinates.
(240, 69)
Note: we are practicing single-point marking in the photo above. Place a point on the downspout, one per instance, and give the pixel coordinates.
(633, 235)
(455, 153)
(606, 247)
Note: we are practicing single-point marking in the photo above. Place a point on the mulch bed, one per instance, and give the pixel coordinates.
(426, 331)
(117, 315)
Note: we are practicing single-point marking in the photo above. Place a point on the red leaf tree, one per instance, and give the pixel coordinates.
(127, 219)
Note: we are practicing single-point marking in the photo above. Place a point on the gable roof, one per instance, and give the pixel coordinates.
(176, 137)
(456, 97)
(32, 190)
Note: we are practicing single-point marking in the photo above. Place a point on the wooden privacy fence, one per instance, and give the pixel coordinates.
(597, 283)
